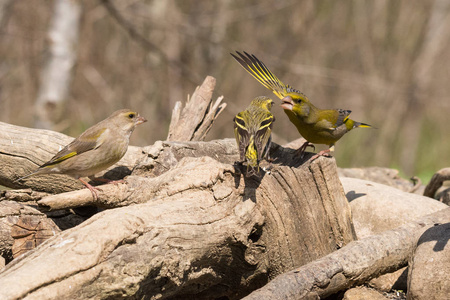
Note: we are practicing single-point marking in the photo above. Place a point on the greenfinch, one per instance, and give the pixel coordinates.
(319, 126)
(96, 149)
(252, 129)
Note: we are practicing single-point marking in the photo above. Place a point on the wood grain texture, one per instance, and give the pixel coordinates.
(12, 214)
(193, 121)
(354, 264)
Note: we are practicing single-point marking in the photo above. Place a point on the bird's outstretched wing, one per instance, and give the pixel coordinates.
(260, 72)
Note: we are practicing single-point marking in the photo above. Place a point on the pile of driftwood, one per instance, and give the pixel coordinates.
(186, 223)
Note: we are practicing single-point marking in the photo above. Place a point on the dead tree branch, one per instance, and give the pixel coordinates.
(193, 122)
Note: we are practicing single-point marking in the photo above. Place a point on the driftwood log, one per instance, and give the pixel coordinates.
(197, 228)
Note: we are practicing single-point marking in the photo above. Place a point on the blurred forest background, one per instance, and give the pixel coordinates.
(387, 61)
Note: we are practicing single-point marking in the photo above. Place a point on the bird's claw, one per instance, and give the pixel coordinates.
(301, 151)
(267, 169)
(325, 153)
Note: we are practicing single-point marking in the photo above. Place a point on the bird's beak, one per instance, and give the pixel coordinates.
(288, 103)
(140, 120)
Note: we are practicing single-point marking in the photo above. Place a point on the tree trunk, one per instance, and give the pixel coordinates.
(57, 73)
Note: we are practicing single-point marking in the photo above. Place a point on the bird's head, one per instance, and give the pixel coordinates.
(296, 103)
(126, 119)
(262, 102)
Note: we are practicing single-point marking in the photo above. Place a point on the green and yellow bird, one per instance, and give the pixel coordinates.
(318, 126)
(95, 150)
(253, 128)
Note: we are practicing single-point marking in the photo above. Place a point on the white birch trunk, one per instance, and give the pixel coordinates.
(57, 71)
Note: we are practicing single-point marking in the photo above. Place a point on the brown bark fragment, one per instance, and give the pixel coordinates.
(31, 231)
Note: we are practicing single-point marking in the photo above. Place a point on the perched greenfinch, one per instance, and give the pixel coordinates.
(96, 149)
(319, 126)
(252, 129)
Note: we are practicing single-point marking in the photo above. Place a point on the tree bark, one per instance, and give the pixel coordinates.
(22, 228)
(25, 149)
(352, 265)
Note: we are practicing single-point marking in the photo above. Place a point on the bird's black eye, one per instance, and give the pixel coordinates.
(131, 116)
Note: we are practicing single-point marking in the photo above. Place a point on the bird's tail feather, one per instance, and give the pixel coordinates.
(363, 125)
(260, 72)
(26, 176)
(38, 171)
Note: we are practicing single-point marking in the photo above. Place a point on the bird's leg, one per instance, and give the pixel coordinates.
(301, 151)
(91, 188)
(326, 153)
(250, 171)
(269, 160)
(238, 166)
(107, 180)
